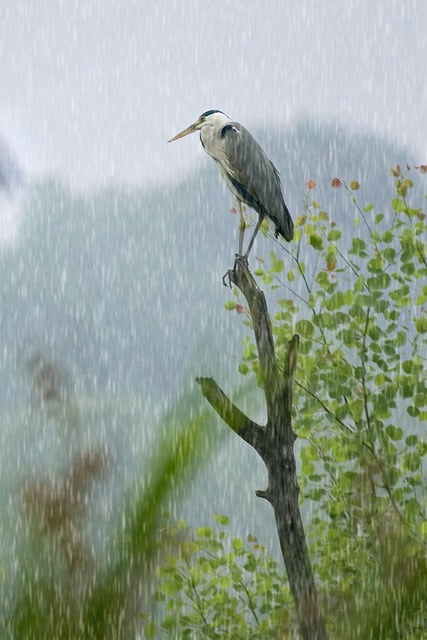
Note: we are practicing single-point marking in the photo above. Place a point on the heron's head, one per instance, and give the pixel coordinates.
(211, 118)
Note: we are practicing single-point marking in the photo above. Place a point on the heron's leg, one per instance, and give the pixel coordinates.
(242, 227)
(258, 224)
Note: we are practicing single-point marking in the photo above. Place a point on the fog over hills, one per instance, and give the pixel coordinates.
(125, 283)
(122, 288)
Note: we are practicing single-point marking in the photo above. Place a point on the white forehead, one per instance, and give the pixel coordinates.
(217, 118)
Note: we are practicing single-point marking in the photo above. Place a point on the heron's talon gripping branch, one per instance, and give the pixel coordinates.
(228, 277)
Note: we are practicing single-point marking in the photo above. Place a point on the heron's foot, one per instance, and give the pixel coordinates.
(230, 275)
(227, 278)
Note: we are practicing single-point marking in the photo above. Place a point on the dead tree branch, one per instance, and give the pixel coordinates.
(274, 443)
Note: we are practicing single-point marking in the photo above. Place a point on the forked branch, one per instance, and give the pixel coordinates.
(274, 443)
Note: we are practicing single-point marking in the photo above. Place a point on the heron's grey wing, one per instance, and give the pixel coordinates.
(255, 177)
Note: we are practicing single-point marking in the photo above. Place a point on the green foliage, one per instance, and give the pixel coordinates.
(360, 410)
(212, 586)
(62, 590)
(140, 542)
(360, 403)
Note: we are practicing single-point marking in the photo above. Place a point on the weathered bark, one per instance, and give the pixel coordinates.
(274, 443)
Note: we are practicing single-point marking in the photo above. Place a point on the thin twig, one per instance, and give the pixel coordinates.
(250, 603)
(325, 407)
(363, 363)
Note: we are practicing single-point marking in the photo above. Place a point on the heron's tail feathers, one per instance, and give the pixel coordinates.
(284, 226)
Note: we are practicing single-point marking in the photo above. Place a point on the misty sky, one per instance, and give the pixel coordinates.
(91, 90)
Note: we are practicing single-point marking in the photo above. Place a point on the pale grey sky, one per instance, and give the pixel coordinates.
(91, 90)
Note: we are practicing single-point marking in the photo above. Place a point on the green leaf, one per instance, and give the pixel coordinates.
(334, 234)
(414, 366)
(421, 324)
(243, 368)
(358, 247)
(276, 264)
(379, 282)
(398, 205)
(411, 441)
(375, 264)
(316, 241)
(237, 544)
(389, 254)
(339, 299)
(395, 433)
(323, 281)
(387, 236)
(413, 411)
(304, 328)
(374, 332)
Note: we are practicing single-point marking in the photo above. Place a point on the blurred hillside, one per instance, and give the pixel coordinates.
(125, 285)
(123, 288)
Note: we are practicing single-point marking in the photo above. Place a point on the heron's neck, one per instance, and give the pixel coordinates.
(210, 129)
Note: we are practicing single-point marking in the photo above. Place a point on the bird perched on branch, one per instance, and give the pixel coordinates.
(249, 174)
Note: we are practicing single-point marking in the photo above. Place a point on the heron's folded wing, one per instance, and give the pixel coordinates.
(249, 167)
(255, 177)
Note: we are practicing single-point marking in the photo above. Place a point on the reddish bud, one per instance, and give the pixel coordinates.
(241, 309)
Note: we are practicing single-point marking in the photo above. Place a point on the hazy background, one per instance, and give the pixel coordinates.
(92, 90)
(112, 279)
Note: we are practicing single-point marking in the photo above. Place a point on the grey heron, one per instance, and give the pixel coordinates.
(247, 171)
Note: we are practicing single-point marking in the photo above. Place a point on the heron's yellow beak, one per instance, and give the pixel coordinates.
(191, 129)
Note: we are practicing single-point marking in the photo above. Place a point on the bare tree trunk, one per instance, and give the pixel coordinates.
(274, 443)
